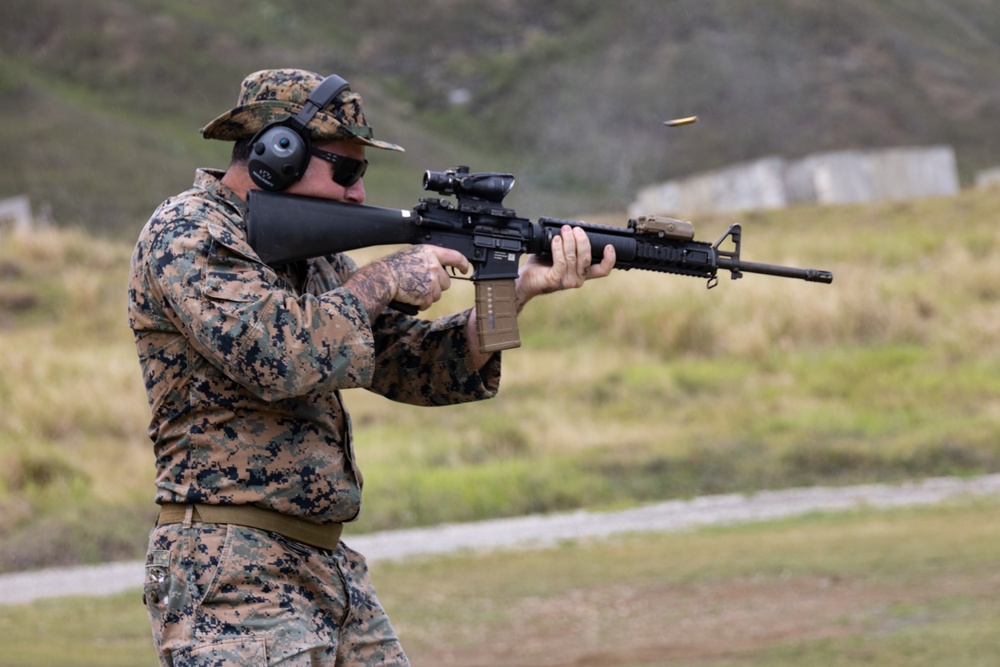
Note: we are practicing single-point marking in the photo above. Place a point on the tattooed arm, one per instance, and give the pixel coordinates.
(416, 275)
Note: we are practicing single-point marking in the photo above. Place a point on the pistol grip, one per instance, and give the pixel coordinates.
(405, 308)
(496, 315)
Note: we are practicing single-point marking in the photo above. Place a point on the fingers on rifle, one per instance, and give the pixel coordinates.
(607, 263)
(453, 258)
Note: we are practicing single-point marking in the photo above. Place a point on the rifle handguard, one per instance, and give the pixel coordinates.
(496, 315)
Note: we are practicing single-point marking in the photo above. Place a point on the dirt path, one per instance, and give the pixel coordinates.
(695, 622)
(543, 530)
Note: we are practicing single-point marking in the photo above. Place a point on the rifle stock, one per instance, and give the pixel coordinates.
(283, 228)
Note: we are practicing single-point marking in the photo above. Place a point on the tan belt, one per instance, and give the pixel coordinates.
(325, 536)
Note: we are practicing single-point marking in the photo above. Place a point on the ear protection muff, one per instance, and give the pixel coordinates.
(280, 151)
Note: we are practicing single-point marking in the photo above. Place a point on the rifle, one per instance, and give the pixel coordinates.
(284, 228)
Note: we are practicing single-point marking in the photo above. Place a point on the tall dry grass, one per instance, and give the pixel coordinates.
(75, 466)
(639, 387)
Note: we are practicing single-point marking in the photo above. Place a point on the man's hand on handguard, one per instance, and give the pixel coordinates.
(571, 265)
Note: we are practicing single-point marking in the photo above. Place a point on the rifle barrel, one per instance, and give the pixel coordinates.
(809, 275)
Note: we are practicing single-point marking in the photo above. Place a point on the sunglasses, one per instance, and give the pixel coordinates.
(346, 170)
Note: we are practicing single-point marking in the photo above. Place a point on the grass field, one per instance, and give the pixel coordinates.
(909, 587)
(641, 387)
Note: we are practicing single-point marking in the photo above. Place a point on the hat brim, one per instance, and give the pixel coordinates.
(245, 121)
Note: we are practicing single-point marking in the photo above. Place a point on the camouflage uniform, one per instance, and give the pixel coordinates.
(243, 366)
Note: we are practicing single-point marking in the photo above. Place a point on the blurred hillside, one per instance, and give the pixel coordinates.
(101, 101)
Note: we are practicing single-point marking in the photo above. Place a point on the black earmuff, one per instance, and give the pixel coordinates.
(280, 151)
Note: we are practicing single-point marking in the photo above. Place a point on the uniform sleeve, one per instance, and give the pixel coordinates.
(234, 310)
(417, 361)
(429, 363)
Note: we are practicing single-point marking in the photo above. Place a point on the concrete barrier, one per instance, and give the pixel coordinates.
(838, 177)
(988, 178)
(15, 214)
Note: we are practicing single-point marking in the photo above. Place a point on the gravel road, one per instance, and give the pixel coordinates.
(545, 530)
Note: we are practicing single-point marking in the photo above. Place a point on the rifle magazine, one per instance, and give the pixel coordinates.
(496, 315)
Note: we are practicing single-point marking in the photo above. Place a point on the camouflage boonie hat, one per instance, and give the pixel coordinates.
(272, 95)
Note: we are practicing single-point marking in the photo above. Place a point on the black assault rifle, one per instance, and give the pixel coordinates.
(286, 228)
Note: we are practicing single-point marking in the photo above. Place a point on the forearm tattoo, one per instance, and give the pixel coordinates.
(411, 274)
(381, 282)
(373, 286)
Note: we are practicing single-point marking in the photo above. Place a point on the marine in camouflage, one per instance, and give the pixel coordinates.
(243, 366)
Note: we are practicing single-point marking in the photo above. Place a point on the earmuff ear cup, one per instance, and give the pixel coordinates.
(278, 157)
(279, 153)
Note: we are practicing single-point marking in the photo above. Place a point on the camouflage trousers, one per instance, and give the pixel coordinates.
(220, 595)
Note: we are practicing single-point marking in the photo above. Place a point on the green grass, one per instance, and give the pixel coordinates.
(80, 631)
(914, 587)
(639, 388)
(881, 580)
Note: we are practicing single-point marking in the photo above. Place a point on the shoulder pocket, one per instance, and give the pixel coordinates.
(233, 243)
(230, 286)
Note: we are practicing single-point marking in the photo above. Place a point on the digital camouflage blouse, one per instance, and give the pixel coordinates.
(243, 364)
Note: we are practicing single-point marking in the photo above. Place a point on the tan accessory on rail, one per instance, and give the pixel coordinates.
(324, 536)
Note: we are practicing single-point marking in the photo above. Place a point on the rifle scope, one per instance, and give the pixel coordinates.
(484, 186)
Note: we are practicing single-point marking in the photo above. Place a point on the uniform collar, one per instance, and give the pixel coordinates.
(210, 180)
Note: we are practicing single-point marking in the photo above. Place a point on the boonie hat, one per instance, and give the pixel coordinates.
(272, 95)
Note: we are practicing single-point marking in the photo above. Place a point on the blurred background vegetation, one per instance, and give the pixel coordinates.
(644, 388)
(102, 101)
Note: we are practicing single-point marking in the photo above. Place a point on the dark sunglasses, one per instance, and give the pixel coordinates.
(346, 170)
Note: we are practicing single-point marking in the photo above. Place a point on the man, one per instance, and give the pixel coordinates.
(243, 366)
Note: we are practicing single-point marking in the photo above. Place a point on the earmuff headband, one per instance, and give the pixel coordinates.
(322, 95)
